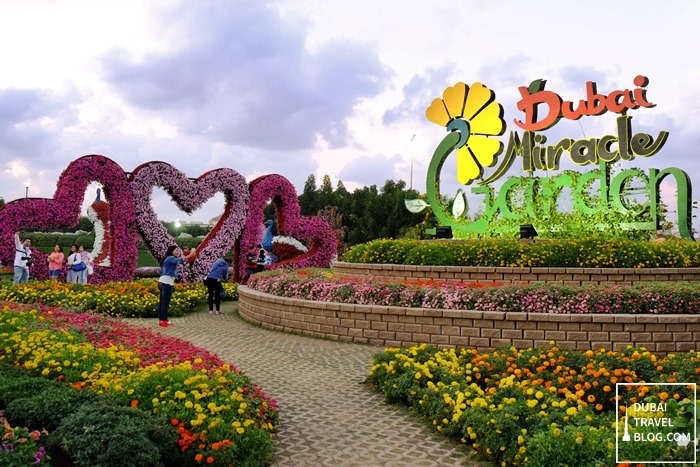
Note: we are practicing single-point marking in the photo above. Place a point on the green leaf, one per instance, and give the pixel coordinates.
(416, 205)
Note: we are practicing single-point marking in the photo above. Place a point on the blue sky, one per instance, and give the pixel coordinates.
(310, 86)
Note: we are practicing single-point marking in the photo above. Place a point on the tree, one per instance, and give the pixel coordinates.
(308, 199)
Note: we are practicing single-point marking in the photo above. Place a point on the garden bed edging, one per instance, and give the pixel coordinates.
(387, 326)
(565, 276)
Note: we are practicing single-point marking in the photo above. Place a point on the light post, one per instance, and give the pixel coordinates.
(410, 186)
(26, 189)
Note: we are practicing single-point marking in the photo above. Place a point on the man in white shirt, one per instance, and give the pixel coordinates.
(23, 258)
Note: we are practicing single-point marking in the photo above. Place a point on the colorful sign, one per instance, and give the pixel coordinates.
(474, 120)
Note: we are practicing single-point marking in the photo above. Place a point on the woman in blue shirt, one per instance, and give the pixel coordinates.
(166, 282)
(218, 273)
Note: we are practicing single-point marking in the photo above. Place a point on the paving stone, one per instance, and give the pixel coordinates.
(327, 416)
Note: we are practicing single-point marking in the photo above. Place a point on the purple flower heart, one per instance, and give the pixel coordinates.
(316, 233)
(63, 211)
(190, 196)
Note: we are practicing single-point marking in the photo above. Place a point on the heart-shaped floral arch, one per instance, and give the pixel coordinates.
(316, 233)
(63, 211)
(189, 196)
(131, 211)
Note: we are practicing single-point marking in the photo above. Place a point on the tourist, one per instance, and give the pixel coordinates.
(260, 260)
(251, 264)
(75, 265)
(166, 282)
(23, 259)
(56, 259)
(217, 274)
(87, 259)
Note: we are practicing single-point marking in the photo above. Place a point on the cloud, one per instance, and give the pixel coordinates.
(369, 170)
(29, 118)
(244, 77)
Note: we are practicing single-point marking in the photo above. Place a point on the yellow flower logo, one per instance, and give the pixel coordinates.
(474, 112)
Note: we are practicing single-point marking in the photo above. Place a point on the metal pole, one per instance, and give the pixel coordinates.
(410, 186)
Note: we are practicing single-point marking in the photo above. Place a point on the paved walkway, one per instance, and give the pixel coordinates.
(327, 416)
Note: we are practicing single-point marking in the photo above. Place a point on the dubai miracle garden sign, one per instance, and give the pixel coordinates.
(474, 120)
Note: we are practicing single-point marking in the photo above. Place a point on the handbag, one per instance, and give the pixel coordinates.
(78, 267)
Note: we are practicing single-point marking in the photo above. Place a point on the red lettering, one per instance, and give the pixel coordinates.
(529, 103)
(640, 95)
(618, 101)
(596, 102)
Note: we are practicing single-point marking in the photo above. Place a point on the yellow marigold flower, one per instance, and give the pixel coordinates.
(556, 432)
(571, 411)
(539, 395)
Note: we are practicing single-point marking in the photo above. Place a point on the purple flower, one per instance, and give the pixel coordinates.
(63, 211)
(189, 196)
(317, 234)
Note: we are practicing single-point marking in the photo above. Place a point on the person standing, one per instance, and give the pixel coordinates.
(166, 282)
(56, 259)
(87, 260)
(217, 274)
(23, 259)
(251, 264)
(75, 265)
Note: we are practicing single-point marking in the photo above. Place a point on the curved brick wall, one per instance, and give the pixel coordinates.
(568, 276)
(484, 330)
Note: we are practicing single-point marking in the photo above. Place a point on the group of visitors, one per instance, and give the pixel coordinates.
(78, 264)
(174, 256)
(255, 261)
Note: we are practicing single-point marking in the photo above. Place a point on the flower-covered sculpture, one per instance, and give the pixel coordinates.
(313, 231)
(129, 210)
(190, 196)
(63, 211)
(99, 214)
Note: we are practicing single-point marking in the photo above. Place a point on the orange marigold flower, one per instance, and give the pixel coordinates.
(174, 421)
(210, 460)
(591, 398)
(198, 457)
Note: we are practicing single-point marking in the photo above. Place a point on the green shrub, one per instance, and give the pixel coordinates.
(101, 434)
(16, 383)
(382, 251)
(47, 407)
(571, 445)
(580, 252)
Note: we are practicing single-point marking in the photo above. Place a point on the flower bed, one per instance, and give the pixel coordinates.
(220, 416)
(573, 253)
(537, 407)
(19, 446)
(126, 299)
(322, 285)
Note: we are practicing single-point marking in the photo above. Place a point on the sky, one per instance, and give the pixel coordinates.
(316, 86)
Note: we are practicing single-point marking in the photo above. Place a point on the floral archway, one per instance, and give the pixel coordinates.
(129, 211)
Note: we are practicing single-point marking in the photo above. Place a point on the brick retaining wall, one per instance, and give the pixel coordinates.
(567, 276)
(484, 330)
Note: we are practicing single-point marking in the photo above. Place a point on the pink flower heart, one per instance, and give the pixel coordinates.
(63, 211)
(190, 196)
(317, 234)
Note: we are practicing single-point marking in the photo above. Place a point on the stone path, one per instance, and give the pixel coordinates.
(327, 416)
